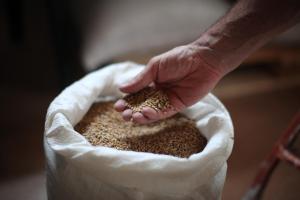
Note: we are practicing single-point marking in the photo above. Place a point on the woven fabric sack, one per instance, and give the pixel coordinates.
(77, 170)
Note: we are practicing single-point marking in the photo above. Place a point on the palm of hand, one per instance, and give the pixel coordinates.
(181, 73)
(184, 75)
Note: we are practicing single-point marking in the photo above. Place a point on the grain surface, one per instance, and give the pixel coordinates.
(176, 136)
(148, 97)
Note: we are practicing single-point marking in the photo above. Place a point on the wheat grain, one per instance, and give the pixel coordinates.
(177, 136)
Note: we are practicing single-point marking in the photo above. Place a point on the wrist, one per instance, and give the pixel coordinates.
(220, 51)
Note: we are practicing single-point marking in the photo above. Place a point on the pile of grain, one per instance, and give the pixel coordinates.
(177, 136)
(147, 97)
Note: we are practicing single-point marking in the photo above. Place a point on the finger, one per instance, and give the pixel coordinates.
(127, 114)
(160, 115)
(176, 106)
(150, 113)
(154, 115)
(166, 113)
(175, 100)
(142, 80)
(120, 105)
(138, 118)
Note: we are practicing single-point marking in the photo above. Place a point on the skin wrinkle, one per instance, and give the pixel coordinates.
(156, 70)
(189, 72)
(261, 20)
(183, 104)
(208, 66)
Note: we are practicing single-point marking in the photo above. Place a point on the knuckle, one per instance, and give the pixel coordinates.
(153, 61)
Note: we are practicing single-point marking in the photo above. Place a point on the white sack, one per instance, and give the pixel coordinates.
(78, 170)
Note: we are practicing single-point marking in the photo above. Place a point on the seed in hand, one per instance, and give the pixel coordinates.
(148, 97)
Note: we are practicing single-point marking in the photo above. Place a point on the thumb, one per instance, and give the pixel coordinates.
(142, 80)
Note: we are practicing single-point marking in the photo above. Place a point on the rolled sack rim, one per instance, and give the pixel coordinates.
(121, 167)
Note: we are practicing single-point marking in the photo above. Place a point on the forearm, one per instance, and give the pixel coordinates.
(246, 27)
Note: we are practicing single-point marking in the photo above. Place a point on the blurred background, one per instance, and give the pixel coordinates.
(45, 45)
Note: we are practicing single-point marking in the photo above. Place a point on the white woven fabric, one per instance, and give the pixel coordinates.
(78, 170)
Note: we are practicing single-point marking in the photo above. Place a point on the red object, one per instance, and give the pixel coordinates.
(280, 152)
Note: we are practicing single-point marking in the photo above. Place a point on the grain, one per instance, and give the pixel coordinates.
(148, 97)
(177, 136)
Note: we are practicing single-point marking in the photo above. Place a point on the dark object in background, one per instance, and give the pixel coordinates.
(66, 40)
(64, 34)
(14, 15)
(280, 152)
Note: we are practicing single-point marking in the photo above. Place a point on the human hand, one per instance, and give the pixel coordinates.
(182, 73)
